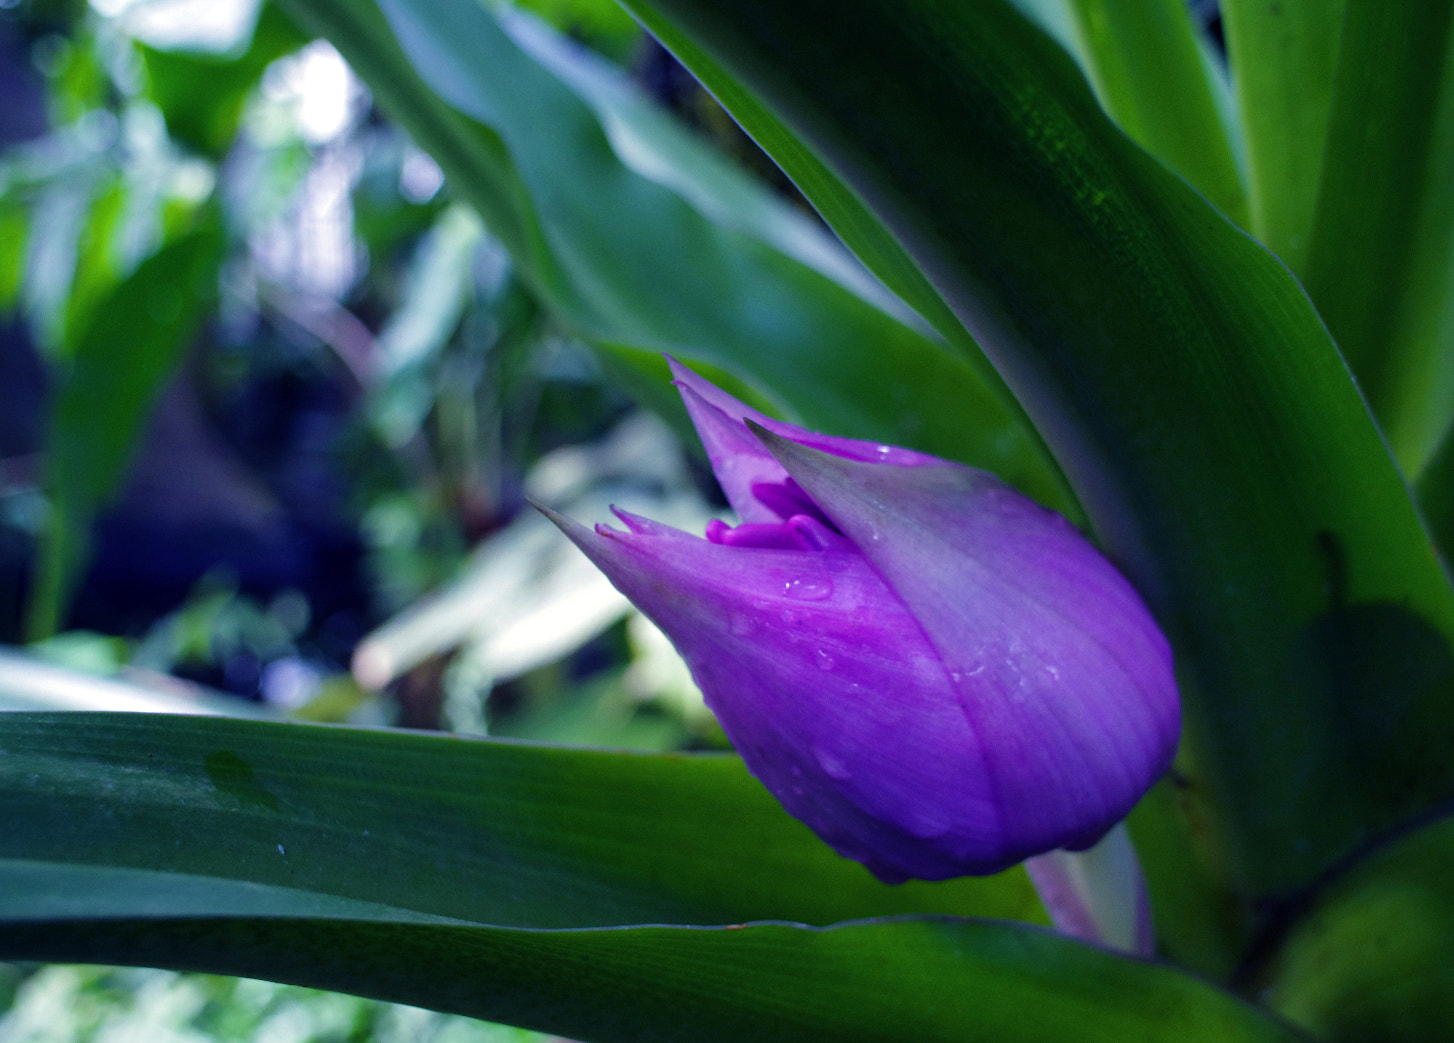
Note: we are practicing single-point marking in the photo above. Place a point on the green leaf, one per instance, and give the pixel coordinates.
(1374, 957)
(1283, 57)
(1187, 387)
(441, 871)
(1152, 73)
(1381, 261)
(489, 832)
(640, 266)
(882, 982)
(122, 358)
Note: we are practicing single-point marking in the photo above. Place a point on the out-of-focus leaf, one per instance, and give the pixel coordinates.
(135, 337)
(1185, 383)
(526, 597)
(27, 683)
(1398, 907)
(1152, 74)
(1380, 263)
(630, 264)
(1283, 57)
(13, 228)
(202, 95)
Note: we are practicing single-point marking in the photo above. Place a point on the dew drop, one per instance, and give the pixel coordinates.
(824, 660)
(809, 589)
(831, 764)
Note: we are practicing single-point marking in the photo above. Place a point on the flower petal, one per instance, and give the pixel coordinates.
(828, 689)
(1059, 670)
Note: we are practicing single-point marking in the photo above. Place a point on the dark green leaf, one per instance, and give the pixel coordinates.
(1373, 959)
(923, 980)
(1152, 73)
(490, 832)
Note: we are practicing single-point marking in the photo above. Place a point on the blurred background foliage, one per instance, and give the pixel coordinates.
(303, 485)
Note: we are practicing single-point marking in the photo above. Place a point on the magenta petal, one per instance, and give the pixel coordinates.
(1059, 670)
(936, 675)
(829, 690)
(739, 460)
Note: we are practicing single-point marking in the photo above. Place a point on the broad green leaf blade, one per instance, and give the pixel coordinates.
(919, 979)
(1283, 56)
(1185, 383)
(1381, 260)
(1374, 957)
(630, 264)
(1151, 72)
(133, 343)
(490, 832)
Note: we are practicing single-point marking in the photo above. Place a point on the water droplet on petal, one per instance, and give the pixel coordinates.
(831, 763)
(824, 660)
(809, 589)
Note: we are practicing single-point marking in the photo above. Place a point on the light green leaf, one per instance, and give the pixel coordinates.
(1151, 71)
(1380, 262)
(1283, 57)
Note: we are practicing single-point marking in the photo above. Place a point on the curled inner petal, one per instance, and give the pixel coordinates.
(786, 499)
(766, 535)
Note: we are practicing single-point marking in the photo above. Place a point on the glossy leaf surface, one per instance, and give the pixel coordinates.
(491, 832)
(431, 870)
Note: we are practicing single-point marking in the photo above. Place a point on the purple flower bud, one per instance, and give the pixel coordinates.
(935, 674)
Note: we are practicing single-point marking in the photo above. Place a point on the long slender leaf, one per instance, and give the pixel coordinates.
(630, 264)
(1150, 72)
(921, 979)
(1381, 259)
(1283, 58)
(1183, 380)
(491, 832)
